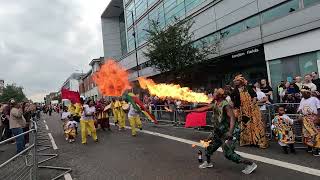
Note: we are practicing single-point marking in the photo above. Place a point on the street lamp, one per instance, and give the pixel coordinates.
(134, 38)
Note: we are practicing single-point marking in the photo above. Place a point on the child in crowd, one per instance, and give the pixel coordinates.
(70, 131)
(282, 126)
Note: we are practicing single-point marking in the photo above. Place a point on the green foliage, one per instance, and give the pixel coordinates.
(172, 49)
(12, 91)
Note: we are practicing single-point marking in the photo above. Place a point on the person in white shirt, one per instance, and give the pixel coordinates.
(261, 97)
(87, 122)
(308, 82)
(310, 109)
(71, 130)
(134, 119)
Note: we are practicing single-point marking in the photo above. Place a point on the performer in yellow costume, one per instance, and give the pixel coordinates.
(120, 114)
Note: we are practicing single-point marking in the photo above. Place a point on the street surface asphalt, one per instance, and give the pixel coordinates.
(119, 156)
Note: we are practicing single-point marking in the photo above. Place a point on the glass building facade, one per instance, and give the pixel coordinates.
(165, 12)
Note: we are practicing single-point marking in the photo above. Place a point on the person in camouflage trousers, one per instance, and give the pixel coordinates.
(225, 133)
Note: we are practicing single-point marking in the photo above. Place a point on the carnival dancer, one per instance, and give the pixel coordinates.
(248, 113)
(225, 133)
(134, 119)
(310, 109)
(65, 117)
(102, 115)
(121, 115)
(114, 111)
(87, 122)
(282, 126)
(70, 131)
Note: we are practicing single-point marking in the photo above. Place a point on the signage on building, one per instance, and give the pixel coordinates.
(247, 52)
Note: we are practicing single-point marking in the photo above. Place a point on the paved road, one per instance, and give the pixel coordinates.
(119, 156)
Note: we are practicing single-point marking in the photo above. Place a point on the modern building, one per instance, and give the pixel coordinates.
(274, 39)
(1, 86)
(88, 88)
(72, 83)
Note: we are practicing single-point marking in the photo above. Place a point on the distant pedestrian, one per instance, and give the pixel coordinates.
(17, 123)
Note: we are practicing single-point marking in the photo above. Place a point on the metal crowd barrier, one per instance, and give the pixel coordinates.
(178, 117)
(22, 166)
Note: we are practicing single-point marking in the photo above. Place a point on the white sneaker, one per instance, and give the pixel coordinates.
(250, 168)
(66, 139)
(205, 165)
(27, 145)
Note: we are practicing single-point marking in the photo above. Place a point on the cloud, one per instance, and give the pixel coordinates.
(44, 41)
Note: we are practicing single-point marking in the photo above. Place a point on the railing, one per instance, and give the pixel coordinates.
(22, 166)
(178, 117)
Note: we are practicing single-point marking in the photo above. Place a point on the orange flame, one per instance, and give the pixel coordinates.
(173, 91)
(112, 79)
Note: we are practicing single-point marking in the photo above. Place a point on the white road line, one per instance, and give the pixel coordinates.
(67, 176)
(54, 145)
(47, 127)
(295, 167)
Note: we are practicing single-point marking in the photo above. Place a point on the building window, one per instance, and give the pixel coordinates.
(210, 40)
(129, 10)
(308, 3)
(191, 4)
(130, 40)
(173, 9)
(252, 22)
(289, 67)
(141, 7)
(280, 11)
(151, 2)
(123, 38)
(232, 30)
(157, 15)
(142, 26)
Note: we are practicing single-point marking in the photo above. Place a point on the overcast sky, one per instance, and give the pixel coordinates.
(43, 41)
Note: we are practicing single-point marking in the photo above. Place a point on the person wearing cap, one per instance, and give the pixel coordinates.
(248, 113)
(310, 109)
(17, 122)
(225, 133)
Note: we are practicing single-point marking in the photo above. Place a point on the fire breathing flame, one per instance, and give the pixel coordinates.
(204, 143)
(172, 91)
(112, 79)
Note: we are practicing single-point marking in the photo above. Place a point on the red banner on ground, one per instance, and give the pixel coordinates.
(73, 96)
(196, 119)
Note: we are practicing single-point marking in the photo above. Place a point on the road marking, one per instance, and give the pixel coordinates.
(54, 145)
(44, 121)
(67, 176)
(295, 167)
(47, 127)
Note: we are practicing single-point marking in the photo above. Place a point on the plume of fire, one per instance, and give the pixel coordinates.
(112, 79)
(172, 91)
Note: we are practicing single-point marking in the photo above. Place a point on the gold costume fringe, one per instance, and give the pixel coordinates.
(253, 131)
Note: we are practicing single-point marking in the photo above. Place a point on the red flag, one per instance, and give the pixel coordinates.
(196, 119)
(74, 97)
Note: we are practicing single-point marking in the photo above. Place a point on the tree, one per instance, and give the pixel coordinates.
(173, 50)
(12, 91)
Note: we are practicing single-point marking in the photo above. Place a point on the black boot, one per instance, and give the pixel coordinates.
(285, 149)
(292, 149)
